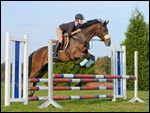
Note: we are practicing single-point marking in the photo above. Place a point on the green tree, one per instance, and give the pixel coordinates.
(137, 40)
(103, 65)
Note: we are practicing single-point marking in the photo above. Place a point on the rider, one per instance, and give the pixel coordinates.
(69, 29)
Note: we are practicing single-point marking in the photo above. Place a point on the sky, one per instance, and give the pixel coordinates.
(39, 19)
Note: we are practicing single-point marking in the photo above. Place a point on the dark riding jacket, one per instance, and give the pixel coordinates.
(68, 27)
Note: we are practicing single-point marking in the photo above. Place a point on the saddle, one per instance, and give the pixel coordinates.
(64, 44)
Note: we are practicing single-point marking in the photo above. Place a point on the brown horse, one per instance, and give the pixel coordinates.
(77, 48)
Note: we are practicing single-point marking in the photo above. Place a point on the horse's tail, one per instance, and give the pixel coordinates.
(30, 63)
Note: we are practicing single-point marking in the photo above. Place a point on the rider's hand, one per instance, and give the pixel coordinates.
(79, 30)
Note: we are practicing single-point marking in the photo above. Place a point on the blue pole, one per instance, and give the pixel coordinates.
(118, 71)
(16, 84)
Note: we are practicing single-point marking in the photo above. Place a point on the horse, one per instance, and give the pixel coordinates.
(77, 48)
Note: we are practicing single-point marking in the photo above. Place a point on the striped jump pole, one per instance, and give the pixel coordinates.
(38, 98)
(17, 83)
(67, 80)
(93, 76)
(62, 88)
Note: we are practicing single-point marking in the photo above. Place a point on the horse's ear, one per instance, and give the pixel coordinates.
(105, 22)
(100, 20)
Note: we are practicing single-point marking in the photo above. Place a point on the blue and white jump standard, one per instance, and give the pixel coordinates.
(20, 48)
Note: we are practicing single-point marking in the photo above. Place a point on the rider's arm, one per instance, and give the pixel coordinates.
(76, 31)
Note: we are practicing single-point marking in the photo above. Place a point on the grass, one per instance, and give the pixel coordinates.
(90, 105)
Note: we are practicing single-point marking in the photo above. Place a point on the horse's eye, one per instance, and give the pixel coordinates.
(105, 30)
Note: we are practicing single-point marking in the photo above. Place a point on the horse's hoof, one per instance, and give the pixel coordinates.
(30, 95)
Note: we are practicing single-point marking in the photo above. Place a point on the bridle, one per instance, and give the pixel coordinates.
(84, 39)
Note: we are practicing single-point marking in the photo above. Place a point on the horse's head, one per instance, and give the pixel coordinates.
(93, 28)
(102, 32)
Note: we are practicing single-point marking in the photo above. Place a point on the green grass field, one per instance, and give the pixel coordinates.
(92, 105)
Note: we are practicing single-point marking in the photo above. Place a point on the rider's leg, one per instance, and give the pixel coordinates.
(59, 33)
(58, 44)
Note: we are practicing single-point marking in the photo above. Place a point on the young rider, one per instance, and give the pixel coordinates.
(69, 28)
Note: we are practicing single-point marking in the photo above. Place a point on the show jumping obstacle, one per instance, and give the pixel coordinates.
(17, 78)
(118, 78)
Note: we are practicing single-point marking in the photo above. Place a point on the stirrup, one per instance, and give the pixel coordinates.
(55, 56)
(55, 59)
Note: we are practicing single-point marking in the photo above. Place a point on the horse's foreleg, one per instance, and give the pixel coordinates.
(90, 56)
(90, 61)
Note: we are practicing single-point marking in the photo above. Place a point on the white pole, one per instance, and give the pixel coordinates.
(121, 71)
(12, 60)
(25, 72)
(136, 75)
(113, 71)
(50, 71)
(135, 98)
(124, 71)
(50, 80)
(7, 71)
(20, 69)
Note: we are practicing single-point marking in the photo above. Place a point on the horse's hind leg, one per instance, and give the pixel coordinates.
(32, 92)
(40, 74)
(33, 74)
(36, 62)
(42, 71)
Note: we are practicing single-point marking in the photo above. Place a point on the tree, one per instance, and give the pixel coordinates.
(137, 40)
(103, 65)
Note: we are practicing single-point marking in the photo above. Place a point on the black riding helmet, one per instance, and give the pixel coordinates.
(79, 16)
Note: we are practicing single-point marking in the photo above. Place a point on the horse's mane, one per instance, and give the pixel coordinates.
(90, 22)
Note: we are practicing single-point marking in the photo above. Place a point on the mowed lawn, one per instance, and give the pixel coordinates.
(90, 105)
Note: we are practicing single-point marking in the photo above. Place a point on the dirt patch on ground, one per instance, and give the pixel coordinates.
(99, 84)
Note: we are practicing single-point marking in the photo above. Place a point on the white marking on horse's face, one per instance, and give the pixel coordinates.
(107, 37)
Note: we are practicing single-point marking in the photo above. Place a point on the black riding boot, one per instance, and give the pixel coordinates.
(58, 44)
